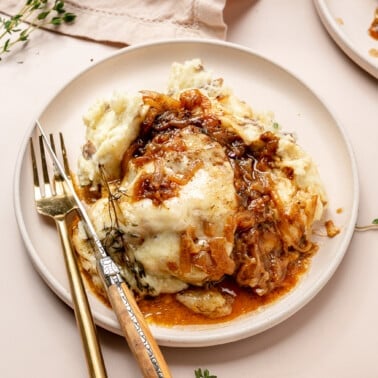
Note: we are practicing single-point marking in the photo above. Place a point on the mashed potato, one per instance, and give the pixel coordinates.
(193, 186)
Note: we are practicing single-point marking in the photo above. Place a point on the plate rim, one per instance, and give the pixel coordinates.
(344, 44)
(194, 340)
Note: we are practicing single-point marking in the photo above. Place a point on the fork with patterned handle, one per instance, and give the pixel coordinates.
(53, 199)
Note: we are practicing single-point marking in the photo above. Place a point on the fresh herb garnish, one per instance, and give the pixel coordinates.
(37, 13)
(205, 374)
(115, 239)
(372, 226)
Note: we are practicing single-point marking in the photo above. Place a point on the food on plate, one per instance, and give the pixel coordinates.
(200, 200)
(373, 28)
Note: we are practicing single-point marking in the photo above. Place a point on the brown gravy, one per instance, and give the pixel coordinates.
(373, 29)
(165, 310)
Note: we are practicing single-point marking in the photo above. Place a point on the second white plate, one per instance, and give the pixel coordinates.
(347, 22)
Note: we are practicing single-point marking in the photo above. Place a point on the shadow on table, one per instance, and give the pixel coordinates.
(234, 10)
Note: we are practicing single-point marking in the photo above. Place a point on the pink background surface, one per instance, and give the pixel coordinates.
(335, 335)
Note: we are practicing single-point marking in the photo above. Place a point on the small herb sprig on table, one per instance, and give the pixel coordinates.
(203, 374)
(37, 13)
(372, 226)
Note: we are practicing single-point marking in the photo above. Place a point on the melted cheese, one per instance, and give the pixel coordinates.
(209, 197)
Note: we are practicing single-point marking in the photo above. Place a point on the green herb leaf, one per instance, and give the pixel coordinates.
(8, 25)
(6, 44)
(69, 17)
(24, 35)
(36, 5)
(56, 21)
(43, 15)
(38, 14)
(375, 221)
(205, 374)
(59, 7)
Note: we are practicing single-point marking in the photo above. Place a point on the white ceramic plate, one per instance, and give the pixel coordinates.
(348, 21)
(264, 85)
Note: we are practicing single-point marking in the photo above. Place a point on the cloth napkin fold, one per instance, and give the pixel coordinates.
(135, 21)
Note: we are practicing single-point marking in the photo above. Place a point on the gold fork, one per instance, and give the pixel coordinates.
(54, 200)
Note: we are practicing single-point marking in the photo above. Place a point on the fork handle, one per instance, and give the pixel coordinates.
(137, 333)
(84, 319)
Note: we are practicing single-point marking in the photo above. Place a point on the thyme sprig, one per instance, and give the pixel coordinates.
(372, 226)
(36, 13)
(115, 240)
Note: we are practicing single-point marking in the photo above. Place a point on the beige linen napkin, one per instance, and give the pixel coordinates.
(134, 21)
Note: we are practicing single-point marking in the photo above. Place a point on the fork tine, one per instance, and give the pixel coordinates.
(57, 180)
(45, 173)
(64, 155)
(52, 142)
(37, 189)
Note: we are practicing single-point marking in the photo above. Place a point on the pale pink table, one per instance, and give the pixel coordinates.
(335, 335)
